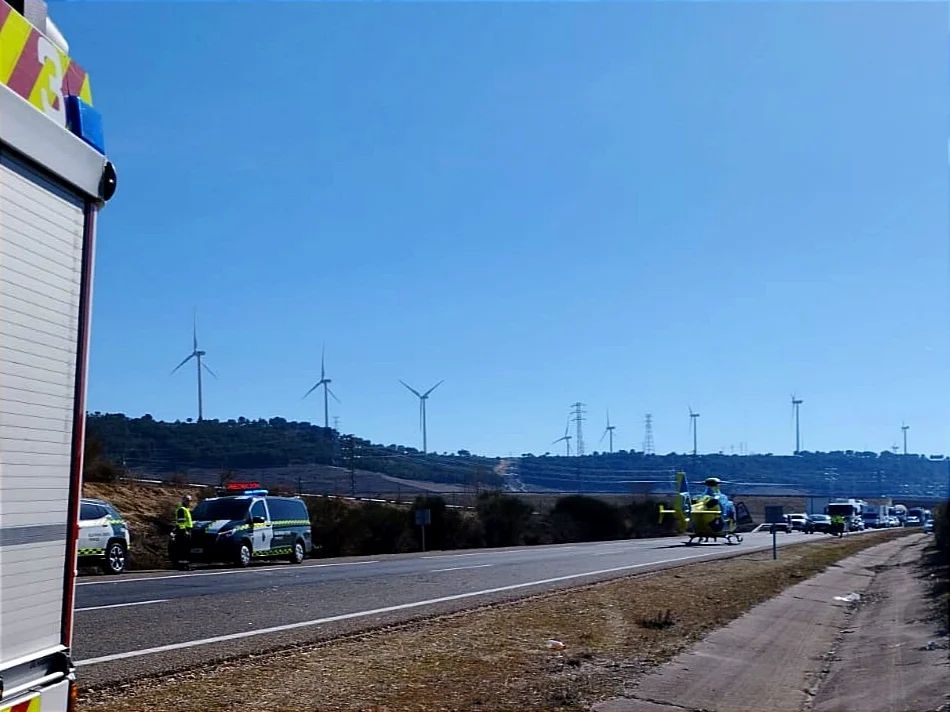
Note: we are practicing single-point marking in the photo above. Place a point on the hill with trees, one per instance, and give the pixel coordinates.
(146, 445)
(840, 473)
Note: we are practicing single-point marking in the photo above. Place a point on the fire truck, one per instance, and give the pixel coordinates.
(54, 178)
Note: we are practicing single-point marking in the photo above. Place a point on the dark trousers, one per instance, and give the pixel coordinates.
(181, 550)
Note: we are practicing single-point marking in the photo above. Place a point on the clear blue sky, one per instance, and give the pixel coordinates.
(645, 207)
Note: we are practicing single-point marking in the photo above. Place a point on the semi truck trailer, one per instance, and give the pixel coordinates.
(54, 178)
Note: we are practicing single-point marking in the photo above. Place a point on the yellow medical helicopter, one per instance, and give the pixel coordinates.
(711, 515)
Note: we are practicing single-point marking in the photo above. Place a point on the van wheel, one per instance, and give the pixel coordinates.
(298, 554)
(243, 558)
(115, 558)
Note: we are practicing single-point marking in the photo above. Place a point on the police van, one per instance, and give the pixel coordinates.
(104, 538)
(247, 526)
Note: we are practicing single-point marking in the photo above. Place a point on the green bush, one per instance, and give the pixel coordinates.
(578, 517)
(942, 526)
(505, 519)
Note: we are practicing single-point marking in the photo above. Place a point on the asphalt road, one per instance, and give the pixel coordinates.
(151, 623)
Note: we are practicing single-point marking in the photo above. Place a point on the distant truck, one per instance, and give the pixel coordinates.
(874, 516)
(54, 177)
(850, 509)
(899, 511)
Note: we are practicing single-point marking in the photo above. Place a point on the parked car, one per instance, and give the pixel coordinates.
(104, 538)
(243, 528)
(856, 525)
(798, 522)
(819, 523)
(929, 525)
(912, 520)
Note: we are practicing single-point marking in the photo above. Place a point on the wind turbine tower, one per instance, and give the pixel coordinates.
(325, 382)
(609, 430)
(578, 418)
(566, 438)
(905, 428)
(423, 397)
(196, 354)
(796, 403)
(693, 421)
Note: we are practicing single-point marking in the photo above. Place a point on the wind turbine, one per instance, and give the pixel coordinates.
(325, 382)
(609, 430)
(423, 397)
(693, 419)
(196, 354)
(566, 437)
(796, 403)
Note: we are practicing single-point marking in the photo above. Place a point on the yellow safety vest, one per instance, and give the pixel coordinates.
(183, 517)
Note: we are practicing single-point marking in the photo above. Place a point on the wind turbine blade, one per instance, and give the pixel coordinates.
(604, 435)
(315, 387)
(417, 393)
(187, 359)
(194, 330)
(433, 388)
(560, 440)
(323, 353)
(334, 395)
(206, 368)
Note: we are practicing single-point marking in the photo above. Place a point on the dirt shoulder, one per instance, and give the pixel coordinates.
(499, 657)
(893, 654)
(855, 638)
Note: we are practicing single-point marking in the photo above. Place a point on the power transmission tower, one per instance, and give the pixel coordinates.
(905, 428)
(578, 418)
(648, 435)
(336, 423)
(350, 454)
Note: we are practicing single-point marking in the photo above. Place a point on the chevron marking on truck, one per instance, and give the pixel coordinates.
(32, 705)
(36, 69)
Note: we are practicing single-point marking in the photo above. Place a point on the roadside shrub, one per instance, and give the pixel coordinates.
(504, 519)
(578, 517)
(642, 520)
(327, 516)
(942, 526)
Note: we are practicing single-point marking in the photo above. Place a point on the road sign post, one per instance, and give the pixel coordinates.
(423, 518)
(774, 515)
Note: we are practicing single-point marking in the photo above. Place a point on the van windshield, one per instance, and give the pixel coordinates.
(213, 509)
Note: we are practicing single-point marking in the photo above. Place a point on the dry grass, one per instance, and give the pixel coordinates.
(497, 657)
(150, 512)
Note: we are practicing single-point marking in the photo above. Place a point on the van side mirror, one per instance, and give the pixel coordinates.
(257, 520)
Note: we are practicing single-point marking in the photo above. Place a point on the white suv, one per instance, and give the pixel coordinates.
(104, 538)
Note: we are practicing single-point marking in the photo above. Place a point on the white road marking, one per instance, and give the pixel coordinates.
(224, 573)
(451, 556)
(376, 611)
(122, 605)
(490, 552)
(460, 568)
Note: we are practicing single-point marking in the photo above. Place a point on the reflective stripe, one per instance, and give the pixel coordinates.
(279, 551)
(32, 705)
(12, 536)
(92, 552)
(291, 523)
